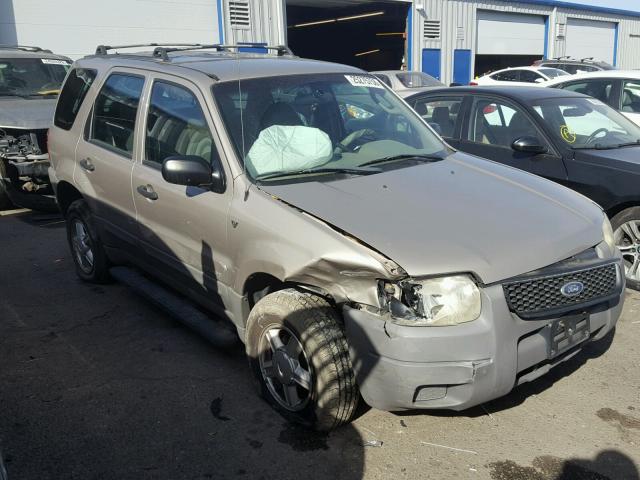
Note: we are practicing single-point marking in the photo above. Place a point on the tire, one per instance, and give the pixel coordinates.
(84, 240)
(322, 351)
(626, 232)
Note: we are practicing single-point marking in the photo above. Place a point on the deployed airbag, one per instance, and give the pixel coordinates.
(282, 148)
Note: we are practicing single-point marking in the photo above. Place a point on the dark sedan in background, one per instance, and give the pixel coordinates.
(567, 137)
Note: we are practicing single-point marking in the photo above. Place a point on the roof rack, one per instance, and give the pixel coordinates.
(587, 59)
(162, 50)
(25, 48)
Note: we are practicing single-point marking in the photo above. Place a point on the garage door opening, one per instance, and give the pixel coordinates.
(508, 40)
(368, 35)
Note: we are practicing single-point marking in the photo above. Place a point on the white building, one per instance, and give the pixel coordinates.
(451, 39)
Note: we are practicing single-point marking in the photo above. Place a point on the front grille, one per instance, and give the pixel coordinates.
(542, 295)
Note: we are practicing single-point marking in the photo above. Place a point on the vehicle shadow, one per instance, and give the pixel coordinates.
(608, 465)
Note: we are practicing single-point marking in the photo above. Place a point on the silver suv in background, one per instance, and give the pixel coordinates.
(352, 255)
(30, 81)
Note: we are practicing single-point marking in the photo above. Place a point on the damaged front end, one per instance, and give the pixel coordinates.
(24, 162)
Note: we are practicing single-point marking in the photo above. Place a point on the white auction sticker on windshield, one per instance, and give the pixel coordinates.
(363, 81)
(52, 61)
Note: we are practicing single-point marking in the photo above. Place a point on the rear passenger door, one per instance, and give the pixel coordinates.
(106, 153)
(494, 124)
(443, 113)
(183, 230)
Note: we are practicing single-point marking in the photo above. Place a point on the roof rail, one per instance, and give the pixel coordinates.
(25, 48)
(162, 50)
(587, 59)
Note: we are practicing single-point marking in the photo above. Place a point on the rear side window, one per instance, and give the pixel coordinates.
(75, 89)
(114, 113)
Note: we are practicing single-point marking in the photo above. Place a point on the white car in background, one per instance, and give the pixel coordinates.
(620, 89)
(520, 76)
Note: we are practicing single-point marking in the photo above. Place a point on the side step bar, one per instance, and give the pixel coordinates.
(179, 308)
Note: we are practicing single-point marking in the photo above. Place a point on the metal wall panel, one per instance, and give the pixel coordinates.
(459, 29)
(268, 23)
(68, 29)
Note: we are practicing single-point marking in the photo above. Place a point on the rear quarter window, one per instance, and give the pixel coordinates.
(73, 93)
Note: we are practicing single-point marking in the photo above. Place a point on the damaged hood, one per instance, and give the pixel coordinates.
(462, 214)
(31, 114)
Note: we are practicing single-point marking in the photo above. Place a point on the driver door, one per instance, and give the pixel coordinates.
(491, 128)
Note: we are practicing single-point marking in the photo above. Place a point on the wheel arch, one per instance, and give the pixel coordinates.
(66, 194)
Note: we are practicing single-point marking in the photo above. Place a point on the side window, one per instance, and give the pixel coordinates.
(384, 79)
(530, 76)
(597, 88)
(176, 126)
(73, 93)
(552, 65)
(114, 113)
(631, 96)
(442, 112)
(497, 123)
(508, 76)
(569, 68)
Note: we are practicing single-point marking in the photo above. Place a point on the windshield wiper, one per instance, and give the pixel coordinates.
(314, 171)
(600, 146)
(392, 158)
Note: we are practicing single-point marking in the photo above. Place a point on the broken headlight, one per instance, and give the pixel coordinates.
(432, 302)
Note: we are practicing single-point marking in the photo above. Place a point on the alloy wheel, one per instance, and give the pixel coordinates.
(82, 246)
(627, 239)
(285, 368)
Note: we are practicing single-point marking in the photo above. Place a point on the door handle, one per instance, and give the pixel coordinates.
(86, 164)
(147, 191)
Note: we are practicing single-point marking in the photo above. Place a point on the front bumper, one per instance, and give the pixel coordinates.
(458, 367)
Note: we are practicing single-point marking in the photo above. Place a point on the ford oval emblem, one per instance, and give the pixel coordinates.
(572, 289)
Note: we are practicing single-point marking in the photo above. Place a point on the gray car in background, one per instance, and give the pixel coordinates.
(407, 83)
(30, 81)
(352, 254)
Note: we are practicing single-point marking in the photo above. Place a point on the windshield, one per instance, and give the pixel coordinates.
(32, 76)
(552, 72)
(417, 80)
(331, 123)
(587, 123)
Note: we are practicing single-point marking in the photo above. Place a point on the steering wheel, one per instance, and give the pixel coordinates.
(594, 135)
(356, 139)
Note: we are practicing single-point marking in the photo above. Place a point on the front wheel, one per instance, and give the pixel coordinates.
(626, 233)
(299, 356)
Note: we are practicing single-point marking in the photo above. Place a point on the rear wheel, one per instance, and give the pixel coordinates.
(626, 233)
(300, 359)
(88, 253)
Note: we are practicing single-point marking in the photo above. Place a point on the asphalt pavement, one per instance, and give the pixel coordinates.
(95, 383)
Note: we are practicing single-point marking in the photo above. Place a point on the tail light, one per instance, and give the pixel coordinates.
(473, 84)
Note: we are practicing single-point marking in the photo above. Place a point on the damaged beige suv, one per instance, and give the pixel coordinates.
(353, 251)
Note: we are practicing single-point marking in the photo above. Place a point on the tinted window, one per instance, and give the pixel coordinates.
(75, 89)
(530, 76)
(114, 113)
(597, 88)
(553, 72)
(176, 125)
(497, 123)
(508, 76)
(631, 96)
(440, 113)
(417, 79)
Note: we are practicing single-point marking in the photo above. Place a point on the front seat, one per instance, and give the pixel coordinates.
(441, 117)
(280, 113)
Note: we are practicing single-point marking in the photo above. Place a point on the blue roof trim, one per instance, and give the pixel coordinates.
(588, 8)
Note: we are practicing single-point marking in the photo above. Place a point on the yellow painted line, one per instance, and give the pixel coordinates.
(18, 211)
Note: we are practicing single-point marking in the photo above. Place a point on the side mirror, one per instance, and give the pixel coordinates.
(192, 171)
(436, 127)
(529, 144)
(539, 80)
